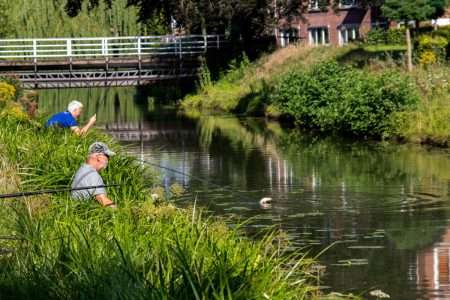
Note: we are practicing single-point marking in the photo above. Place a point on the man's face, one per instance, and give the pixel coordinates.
(77, 112)
(102, 160)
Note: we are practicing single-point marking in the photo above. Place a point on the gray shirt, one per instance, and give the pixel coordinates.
(87, 176)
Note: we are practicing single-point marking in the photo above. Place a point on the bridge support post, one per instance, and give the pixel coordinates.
(205, 42)
(139, 60)
(35, 63)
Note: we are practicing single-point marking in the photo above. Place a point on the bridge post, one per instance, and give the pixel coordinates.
(180, 50)
(105, 54)
(205, 43)
(139, 50)
(35, 62)
(69, 54)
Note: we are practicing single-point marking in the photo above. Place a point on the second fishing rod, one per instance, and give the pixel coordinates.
(22, 194)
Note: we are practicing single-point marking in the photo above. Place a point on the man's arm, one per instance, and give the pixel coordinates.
(105, 201)
(80, 131)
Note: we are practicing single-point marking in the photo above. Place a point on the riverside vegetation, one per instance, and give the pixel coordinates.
(360, 90)
(52, 247)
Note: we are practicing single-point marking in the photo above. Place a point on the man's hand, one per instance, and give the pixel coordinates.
(105, 201)
(93, 119)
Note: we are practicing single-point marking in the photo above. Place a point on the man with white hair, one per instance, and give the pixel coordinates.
(68, 119)
(87, 182)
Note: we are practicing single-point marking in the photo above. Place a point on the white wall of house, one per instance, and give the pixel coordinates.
(441, 22)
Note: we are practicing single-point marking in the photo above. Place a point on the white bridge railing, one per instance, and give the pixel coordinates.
(19, 49)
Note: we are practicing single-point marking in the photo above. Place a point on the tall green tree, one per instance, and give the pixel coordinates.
(410, 10)
(5, 22)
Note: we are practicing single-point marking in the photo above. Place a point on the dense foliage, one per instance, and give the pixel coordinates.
(389, 37)
(51, 18)
(333, 97)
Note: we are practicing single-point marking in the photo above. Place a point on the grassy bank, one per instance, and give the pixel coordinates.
(356, 90)
(143, 250)
(243, 87)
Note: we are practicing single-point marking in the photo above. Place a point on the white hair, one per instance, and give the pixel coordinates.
(74, 105)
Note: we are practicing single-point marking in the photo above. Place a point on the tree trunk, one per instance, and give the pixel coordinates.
(409, 46)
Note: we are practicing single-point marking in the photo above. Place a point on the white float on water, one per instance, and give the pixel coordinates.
(265, 201)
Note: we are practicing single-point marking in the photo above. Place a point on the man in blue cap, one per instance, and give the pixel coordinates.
(68, 119)
(88, 176)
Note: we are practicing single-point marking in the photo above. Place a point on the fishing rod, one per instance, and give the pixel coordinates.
(60, 190)
(54, 191)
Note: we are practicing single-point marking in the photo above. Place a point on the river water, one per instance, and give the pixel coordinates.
(383, 210)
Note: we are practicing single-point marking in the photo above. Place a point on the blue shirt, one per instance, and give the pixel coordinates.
(63, 119)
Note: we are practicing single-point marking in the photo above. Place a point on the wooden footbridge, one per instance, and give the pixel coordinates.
(106, 61)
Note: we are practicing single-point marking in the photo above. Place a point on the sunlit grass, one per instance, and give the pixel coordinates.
(241, 83)
(78, 251)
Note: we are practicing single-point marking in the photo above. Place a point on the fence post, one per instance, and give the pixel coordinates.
(34, 49)
(35, 62)
(105, 47)
(139, 47)
(218, 41)
(180, 49)
(205, 43)
(69, 47)
(139, 59)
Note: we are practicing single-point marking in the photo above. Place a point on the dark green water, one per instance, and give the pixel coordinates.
(384, 209)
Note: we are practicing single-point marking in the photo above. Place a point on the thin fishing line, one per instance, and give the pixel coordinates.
(194, 177)
(54, 191)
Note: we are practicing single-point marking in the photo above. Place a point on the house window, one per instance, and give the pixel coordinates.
(288, 36)
(319, 36)
(314, 5)
(348, 34)
(348, 3)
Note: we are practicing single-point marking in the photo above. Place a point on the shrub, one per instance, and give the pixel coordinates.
(376, 36)
(445, 33)
(396, 36)
(431, 48)
(7, 93)
(332, 97)
(381, 36)
(427, 58)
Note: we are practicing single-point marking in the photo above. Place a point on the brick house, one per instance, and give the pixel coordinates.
(335, 26)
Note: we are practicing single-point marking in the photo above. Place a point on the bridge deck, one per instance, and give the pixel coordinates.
(116, 61)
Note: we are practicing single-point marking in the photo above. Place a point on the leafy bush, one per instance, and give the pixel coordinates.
(332, 97)
(427, 58)
(8, 105)
(396, 36)
(381, 36)
(445, 33)
(431, 48)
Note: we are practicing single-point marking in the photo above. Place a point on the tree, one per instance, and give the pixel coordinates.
(5, 23)
(406, 11)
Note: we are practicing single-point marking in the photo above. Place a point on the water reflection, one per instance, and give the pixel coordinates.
(386, 206)
(433, 268)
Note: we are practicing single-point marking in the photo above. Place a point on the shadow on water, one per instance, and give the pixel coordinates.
(385, 206)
